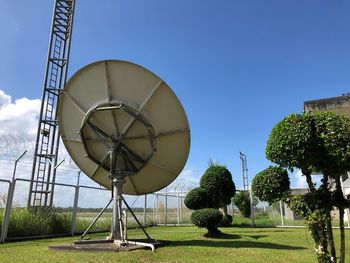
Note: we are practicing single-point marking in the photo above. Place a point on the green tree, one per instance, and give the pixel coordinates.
(215, 191)
(209, 218)
(242, 201)
(271, 184)
(198, 198)
(333, 132)
(315, 142)
(217, 181)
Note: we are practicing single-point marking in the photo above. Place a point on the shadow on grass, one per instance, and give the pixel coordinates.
(232, 241)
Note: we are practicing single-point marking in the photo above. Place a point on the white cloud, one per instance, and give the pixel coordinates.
(19, 117)
(4, 99)
(300, 179)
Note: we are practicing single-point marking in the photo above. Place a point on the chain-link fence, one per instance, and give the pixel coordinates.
(91, 201)
(280, 215)
(75, 208)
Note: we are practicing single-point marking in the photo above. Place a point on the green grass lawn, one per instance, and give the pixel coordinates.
(187, 245)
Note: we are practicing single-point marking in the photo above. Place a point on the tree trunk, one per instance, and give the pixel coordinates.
(330, 238)
(340, 195)
(342, 235)
(331, 245)
(309, 181)
(224, 210)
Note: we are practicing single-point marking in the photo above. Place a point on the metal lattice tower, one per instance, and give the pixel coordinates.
(243, 158)
(47, 141)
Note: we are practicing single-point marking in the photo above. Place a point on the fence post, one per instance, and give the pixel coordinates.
(74, 212)
(166, 209)
(252, 214)
(8, 207)
(281, 211)
(157, 210)
(181, 208)
(145, 212)
(178, 209)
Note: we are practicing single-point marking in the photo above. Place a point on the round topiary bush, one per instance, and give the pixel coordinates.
(196, 199)
(217, 181)
(293, 142)
(209, 218)
(271, 184)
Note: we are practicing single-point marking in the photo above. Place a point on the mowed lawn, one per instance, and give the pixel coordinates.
(187, 244)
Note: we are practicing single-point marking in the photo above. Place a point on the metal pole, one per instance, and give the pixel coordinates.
(178, 209)
(252, 214)
(6, 219)
(281, 211)
(135, 217)
(166, 208)
(53, 182)
(181, 204)
(145, 212)
(153, 211)
(181, 209)
(157, 210)
(347, 211)
(118, 181)
(15, 167)
(95, 220)
(75, 205)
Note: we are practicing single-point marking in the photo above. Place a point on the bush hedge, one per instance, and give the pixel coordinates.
(209, 218)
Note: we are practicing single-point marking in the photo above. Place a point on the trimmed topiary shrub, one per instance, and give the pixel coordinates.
(271, 184)
(217, 181)
(209, 218)
(293, 143)
(197, 198)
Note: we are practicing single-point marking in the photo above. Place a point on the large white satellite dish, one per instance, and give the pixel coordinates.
(116, 101)
(125, 129)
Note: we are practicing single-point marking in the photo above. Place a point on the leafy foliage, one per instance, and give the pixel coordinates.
(333, 132)
(293, 143)
(271, 184)
(208, 218)
(197, 198)
(314, 142)
(217, 181)
(215, 191)
(242, 201)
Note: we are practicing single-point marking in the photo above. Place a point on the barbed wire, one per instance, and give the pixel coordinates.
(13, 145)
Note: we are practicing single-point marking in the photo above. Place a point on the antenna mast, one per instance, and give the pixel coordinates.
(47, 142)
(243, 158)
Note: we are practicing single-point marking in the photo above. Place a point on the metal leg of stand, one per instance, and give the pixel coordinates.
(138, 222)
(95, 220)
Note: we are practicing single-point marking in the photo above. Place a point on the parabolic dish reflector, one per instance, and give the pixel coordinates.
(119, 104)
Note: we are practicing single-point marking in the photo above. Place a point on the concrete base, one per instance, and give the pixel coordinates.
(107, 245)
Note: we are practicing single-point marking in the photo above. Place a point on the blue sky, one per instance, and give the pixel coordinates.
(237, 66)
